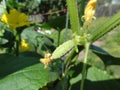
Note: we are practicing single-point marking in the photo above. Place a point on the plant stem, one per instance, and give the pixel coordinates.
(58, 37)
(84, 66)
(66, 27)
(73, 13)
(17, 39)
(82, 7)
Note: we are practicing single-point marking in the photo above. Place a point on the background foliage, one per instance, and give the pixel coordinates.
(26, 72)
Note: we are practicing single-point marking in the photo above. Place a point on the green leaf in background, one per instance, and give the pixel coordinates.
(105, 56)
(63, 36)
(3, 41)
(8, 37)
(30, 78)
(96, 80)
(37, 40)
(75, 75)
(10, 4)
(30, 33)
(75, 79)
(105, 27)
(31, 5)
(101, 80)
(58, 23)
(98, 49)
(95, 74)
(2, 7)
(73, 12)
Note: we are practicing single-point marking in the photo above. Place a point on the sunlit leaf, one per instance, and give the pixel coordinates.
(105, 56)
(30, 78)
(11, 63)
(96, 78)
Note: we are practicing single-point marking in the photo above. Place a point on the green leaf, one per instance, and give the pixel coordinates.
(58, 23)
(105, 27)
(30, 78)
(63, 35)
(96, 78)
(10, 64)
(98, 50)
(30, 33)
(3, 41)
(76, 79)
(37, 40)
(8, 39)
(105, 56)
(95, 74)
(73, 12)
(13, 4)
(75, 75)
(101, 80)
(63, 49)
(2, 7)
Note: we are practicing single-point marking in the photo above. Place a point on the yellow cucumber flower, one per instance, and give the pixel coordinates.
(15, 19)
(47, 59)
(89, 12)
(24, 46)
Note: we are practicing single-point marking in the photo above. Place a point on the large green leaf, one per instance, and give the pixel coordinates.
(105, 56)
(95, 74)
(75, 72)
(30, 78)
(101, 80)
(96, 80)
(10, 64)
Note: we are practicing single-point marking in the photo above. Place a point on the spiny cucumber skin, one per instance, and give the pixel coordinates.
(63, 49)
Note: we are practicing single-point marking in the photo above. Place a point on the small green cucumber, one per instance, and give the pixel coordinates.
(63, 49)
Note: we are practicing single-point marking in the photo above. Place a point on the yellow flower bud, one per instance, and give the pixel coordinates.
(89, 12)
(24, 46)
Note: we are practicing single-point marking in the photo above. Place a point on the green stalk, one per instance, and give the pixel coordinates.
(58, 37)
(66, 27)
(82, 7)
(84, 66)
(106, 27)
(74, 18)
(17, 40)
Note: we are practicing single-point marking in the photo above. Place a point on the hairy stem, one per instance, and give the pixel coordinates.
(84, 66)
